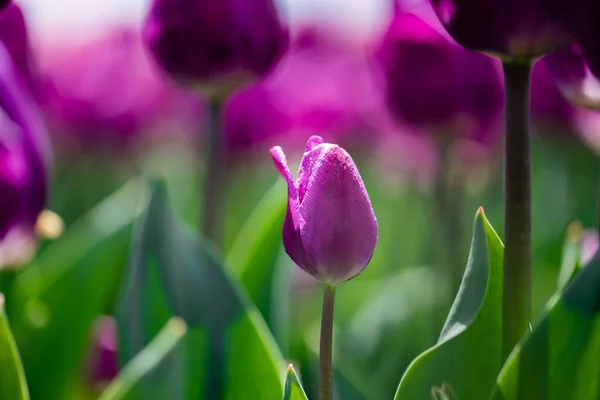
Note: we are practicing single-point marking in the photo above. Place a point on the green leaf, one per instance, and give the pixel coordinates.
(254, 255)
(12, 377)
(154, 373)
(52, 322)
(293, 388)
(559, 358)
(232, 354)
(467, 358)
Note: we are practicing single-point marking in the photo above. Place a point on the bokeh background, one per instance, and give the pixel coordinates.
(112, 118)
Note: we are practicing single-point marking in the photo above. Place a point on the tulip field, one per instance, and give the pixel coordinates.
(299, 199)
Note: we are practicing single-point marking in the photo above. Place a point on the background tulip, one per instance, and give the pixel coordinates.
(330, 229)
(514, 29)
(212, 41)
(104, 95)
(23, 165)
(434, 84)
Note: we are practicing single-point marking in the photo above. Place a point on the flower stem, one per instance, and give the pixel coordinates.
(517, 214)
(325, 353)
(216, 176)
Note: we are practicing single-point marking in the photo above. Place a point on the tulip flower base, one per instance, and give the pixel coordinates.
(468, 355)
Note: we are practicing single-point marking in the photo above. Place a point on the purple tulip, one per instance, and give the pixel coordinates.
(14, 35)
(24, 159)
(330, 229)
(514, 29)
(214, 41)
(577, 70)
(548, 106)
(434, 84)
(105, 95)
(104, 364)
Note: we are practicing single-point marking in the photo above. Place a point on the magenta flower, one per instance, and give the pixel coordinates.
(330, 229)
(14, 35)
(24, 160)
(285, 109)
(548, 106)
(104, 363)
(434, 84)
(105, 95)
(577, 71)
(212, 41)
(514, 29)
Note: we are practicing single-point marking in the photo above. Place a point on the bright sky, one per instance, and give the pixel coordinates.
(58, 17)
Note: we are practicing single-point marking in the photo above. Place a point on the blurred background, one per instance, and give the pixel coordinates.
(420, 116)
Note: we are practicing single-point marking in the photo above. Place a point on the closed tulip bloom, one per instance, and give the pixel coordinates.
(207, 42)
(23, 166)
(514, 29)
(330, 229)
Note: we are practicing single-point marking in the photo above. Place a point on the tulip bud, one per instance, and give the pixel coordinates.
(514, 29)
(214, 41)
(23, 166)
(330, 229)
(103, 362)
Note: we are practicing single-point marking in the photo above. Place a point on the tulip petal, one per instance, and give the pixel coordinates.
(314, 148)
(340, 227)
(292, 241)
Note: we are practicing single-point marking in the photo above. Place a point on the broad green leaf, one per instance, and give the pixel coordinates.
(231, 352)
(155, 372)
(12, 377)
(254, 255)
(466, 360)
(52, 322)
(293, 388)
(559, 359)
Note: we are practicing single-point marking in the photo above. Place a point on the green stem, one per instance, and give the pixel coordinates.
(216, 177)
(325, 353)
(517, 214)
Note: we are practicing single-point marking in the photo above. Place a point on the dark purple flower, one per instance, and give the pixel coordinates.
(105, 94)
(104, 364)
(573, 75)
(201, 42)
(435, 84)
(14, 35)
(24, 160)
(548, 106)
(330, 229)
(514, 29)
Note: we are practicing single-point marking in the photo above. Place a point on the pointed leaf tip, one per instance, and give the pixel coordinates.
(481, 212)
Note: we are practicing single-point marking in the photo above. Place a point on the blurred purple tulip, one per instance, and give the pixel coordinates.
(24, 161)
(104, 364)
(105, 95)
(548, 106)
(214, 41)
(14, 35)
(514, 29)
(330, 229)
(308, 93)
(436, 85)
